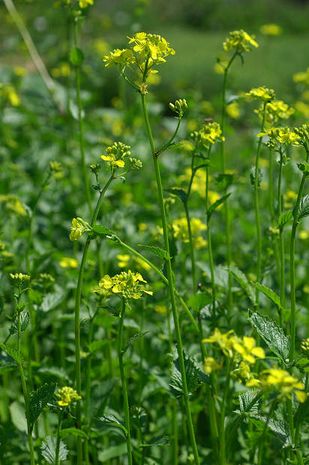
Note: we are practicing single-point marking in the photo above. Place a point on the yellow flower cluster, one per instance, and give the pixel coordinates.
(145, 50)
(209, 134)
(281, 136)
(78, 228)
(66, 396)
(240, 41)
(68, 262)
(13, 204)
(118, 155)
(211, 365)
(281, 381)
(261, 93)
(180, 231)
(271, 29)
(305, 344)
(125, 284)
(302, 77)
(20, 278)
(56, 169)
(278, 109)
(85, 3)
(10, 94)
(179, 107)
(232, 346)
(125, 259)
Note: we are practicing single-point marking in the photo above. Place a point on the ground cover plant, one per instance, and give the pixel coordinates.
(154, 277)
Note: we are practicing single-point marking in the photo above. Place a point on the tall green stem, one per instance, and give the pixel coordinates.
(78, 295)
(210, 252)
(171, 285)
(281, 241)
(124, 383)
(191, 246)
(257, 208)
(222, 437)
(80, 123)
(292, 262)
(222, 167)
(58, 439)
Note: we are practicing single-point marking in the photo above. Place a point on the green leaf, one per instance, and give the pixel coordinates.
(102, 230)
(51, 301)
(11, 352)
(48, 450)
(249, 401)
(270, 294)
(285, 218)
(155, 250)
(216, 204)
(272, 334)
(303, 209)
(195, 377)
(73, 432)
(24, 321)
(199, 300)
(113, 452)
(242, 280)
(278, 427)
(38, 400)
(111, 421)
(76, 56)
(180, 193)
(18, 416)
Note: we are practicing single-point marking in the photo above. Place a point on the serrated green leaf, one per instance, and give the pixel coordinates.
(195, 377)
(249, 401)
(180, 193)
(51, 301)
(242, 280)
(303, 209)
(48, 450)
(216, 204)
(272, 334)
(278, 427)
(76, 56)
(285, 218)
(111, 421)
(24, 321)
(38, 400)
(155, 250)
(270, 294)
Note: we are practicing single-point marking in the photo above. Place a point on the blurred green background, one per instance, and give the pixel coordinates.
(195, 28)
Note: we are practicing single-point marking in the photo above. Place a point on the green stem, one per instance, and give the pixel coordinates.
(222, 438)
(261, 440)
(80, 124)
(281, 241)
(257, 209)
(124, 382)
(171, 285)
(210, 252)
(292, 264)
(191, 246)
(227, 218)
(77, 315)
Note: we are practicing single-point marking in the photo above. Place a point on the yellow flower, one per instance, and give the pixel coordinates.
(261, 93)
(85, 3)
(302, 77)
(126, 284)
(233, 110)
(118, 155)
(68, 262)
(13, 204)
(9, 92)
(66, 396)
(305, 345)
(145, 50)
(209, 134)
(240, 41)
(271, 29)
(280, 380)
(289, 199)
(179, 107)
(302, 108)
(123, 260)
(180, 231)
(277, 109)
(281, 136)
(224, 340)
(20, 277)
(248, 350)
(78, 228)
(211, 365)
(304, 235)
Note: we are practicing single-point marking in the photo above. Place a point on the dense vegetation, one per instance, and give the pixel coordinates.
(153, 251)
